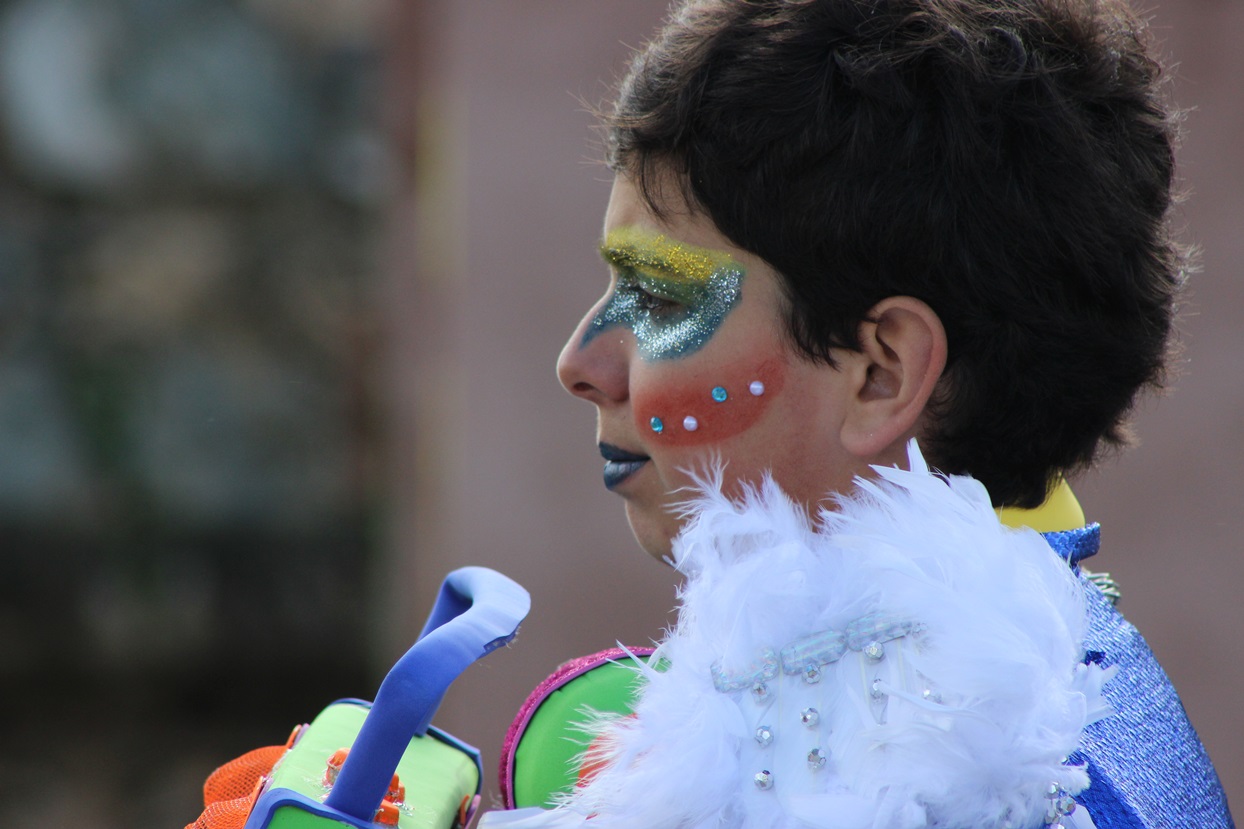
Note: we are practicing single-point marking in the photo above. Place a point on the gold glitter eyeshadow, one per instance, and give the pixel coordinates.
(637, 248)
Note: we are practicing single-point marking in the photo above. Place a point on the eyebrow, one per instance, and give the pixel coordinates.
(645, 250)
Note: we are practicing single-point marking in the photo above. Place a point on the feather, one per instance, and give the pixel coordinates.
(964, 722)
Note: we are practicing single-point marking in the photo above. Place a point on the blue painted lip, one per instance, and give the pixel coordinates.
(619, 464)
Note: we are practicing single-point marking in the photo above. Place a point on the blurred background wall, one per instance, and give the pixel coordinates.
(281, 288)
(192, 196)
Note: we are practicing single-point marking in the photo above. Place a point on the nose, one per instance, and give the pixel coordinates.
(596, 367)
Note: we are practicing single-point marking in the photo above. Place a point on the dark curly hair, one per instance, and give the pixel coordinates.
(1008, 162)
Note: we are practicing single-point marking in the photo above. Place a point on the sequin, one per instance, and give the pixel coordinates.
(810, 717)
(1061, 804)
(764, 780)
(757, 673)
(865, 634)
(764, 736)
(877, 628)
(812, 651)
(816, 759)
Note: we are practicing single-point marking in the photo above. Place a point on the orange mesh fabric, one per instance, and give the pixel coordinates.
(238, 777)
(229, 792)
(224, 814)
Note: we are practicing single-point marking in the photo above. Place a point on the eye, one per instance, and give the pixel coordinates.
(648, 296)
(653, 304)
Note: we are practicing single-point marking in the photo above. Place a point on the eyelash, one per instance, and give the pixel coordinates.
(652, 303)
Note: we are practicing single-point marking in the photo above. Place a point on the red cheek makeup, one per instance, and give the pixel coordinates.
(682, 416)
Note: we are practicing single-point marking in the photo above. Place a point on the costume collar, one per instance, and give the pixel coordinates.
(1061, 520)
(1060, 512)
(762, 583)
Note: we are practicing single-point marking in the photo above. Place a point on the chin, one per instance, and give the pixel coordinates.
(655, 535)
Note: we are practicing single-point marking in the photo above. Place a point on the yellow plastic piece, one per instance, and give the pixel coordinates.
(1060, 512)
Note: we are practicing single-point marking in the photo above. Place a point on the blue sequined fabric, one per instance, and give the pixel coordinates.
(1076, 545)
(1147, 767)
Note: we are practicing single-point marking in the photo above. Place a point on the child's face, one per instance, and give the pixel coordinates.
(686, 359)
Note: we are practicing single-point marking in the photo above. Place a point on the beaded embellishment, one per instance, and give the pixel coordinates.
(760, 672)
(805, 656)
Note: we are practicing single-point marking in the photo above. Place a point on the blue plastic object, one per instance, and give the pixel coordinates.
(477, 611)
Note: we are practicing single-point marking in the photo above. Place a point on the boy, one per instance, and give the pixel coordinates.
(838, 225)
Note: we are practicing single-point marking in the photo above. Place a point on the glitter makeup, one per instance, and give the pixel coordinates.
(673, 296)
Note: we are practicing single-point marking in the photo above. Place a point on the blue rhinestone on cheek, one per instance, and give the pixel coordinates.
(719, 394)
(657, 425)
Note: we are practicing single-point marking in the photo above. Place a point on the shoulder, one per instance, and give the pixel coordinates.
(1146, 763)
(541, 755)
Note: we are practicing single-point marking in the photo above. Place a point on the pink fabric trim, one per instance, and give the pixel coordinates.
(564, 673)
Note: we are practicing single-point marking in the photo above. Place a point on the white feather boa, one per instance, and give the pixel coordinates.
(980, 708)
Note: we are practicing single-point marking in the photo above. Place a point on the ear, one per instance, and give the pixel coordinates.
(901, 357)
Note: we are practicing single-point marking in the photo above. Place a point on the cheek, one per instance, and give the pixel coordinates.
(690, 415)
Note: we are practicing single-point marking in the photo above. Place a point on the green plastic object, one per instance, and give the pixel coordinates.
(477, 611)
(290, 817)
(437, 775)
(546, 761)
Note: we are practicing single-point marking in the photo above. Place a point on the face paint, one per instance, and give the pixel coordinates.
(673, 296)
(718, 412)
